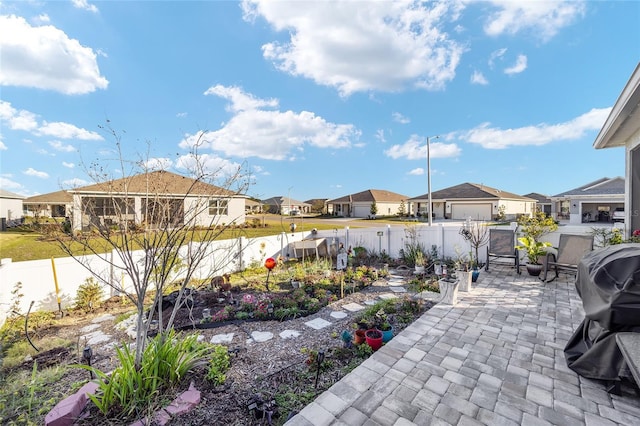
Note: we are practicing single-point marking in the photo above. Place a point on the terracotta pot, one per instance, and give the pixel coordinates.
(373, 338)
(359, 336)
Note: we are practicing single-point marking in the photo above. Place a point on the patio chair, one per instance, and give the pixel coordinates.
(502, 245)
(571, 249)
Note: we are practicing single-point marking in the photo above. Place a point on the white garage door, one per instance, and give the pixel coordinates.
(361, 211)
(475, 211)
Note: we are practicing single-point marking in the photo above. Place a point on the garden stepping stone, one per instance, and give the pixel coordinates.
(89, 328)
(261, 336)
(222, 338)
(353, 307)
(338, 315)
(370, 302)
(317, 323)
(103, 318)
(289, 334)
(398, 289)
(387, 296)
(96, 337)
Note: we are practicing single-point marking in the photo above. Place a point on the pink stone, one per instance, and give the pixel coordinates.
(67, 411)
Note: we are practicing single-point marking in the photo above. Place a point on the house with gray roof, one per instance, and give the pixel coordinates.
(475, 201)
(593, 202)
(285, 206)
(359, 204)
(543, 202)
(622, 129)
(52, 204)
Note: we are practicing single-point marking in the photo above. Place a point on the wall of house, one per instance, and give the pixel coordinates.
(585, 209)
(632, 182)
(11, 208)
(515, 208)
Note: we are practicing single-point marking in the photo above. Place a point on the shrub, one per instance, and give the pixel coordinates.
(89, 295)
(219, 363)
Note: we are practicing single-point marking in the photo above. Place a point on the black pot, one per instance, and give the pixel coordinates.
(534, 269)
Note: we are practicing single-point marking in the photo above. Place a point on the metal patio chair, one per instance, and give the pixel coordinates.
(571, 249)
(502, 244)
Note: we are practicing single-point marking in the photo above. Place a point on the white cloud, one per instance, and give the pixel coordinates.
(42, 19)
(543, 19)
(59, 146)
(416, 149)
(399, 118)
(67, 131)
(33, 172)
(417, 172)
(17, 120)
(3, 147)
(272, 135)
(385, 46)
(380, 135)
(158, 164)
(518, 67)
(478, 78)
(541, 134)
(181, 114)
(6, 183)
(68, 165)
(45, 57)
(496, 54)
(74, 183)
(239, 100)
(216, 167)
(84, 4)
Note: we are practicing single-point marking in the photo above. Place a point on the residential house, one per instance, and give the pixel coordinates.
(252, 206)
(285, 206)
(543, 202)
(318, 205)
(53, 204)
(10, 206)
(148, 199)
(593, 202)
(473, 200)
(359, 205)
(622, 128)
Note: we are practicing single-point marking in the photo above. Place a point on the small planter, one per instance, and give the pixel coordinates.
(465, 278)
(387, 335)
(534, 269)
(420, 269)
(448, 292)
(359, 336)
(474, 275)
(373, 338)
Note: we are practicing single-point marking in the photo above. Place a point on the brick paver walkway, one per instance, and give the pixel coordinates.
(495, 358)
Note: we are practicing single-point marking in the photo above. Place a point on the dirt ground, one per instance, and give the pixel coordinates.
(259, 370)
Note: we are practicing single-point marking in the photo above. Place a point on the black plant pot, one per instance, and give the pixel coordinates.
(534, 269)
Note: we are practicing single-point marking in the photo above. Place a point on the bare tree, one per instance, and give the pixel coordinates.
(154, 227)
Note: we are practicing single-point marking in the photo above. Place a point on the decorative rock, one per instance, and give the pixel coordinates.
(369, 302)
(398, 289)
(317, 323)
(67, 411)
(387, 296)
(289, 334)
(338, 315)
(353, 307)
(103, 318)
(90, 327)
(97, 337)
(222, 338)
(261, 336)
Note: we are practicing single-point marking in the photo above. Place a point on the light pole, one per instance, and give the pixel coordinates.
(429, 177)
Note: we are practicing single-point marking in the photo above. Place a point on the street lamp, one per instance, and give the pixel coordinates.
(429, 176)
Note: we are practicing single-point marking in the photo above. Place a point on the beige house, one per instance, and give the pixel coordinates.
(622, 128)
(53, 204)
(475, 201)
(149, 199)
(10, 205)
(359, 205)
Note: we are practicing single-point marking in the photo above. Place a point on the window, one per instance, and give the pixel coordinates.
(218, 207)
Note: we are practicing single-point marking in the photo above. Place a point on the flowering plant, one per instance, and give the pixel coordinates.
(635, 236)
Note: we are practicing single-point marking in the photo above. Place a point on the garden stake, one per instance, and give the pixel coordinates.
(55, 281)
(319, 360)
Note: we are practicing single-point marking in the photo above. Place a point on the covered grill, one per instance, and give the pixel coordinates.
(608, 282)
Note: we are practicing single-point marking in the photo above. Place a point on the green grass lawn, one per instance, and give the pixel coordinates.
(20, 245)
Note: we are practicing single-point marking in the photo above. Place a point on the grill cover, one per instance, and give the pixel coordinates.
(608, 282)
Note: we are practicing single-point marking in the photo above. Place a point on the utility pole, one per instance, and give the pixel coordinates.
(429, 176)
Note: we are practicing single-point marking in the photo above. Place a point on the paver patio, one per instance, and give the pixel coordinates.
(497, 357)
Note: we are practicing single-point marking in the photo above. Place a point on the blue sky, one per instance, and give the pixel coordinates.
(316, 99)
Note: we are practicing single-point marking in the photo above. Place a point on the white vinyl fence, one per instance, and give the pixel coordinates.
(39, 285)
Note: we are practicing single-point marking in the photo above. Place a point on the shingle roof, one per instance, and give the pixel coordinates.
(370, 195)
(603, 186)
(8, 194)
(58, 197)
(540, 198)
(160, 182)
(471, 191)
(282, 201)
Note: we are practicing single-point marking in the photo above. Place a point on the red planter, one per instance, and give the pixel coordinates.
(373, 338)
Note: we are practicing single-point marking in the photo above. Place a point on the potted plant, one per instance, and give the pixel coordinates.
(534, 250)
(464, 270)
(419, 262)
(448, 290)
(387, 331)
(477, 234)
(373, 338)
